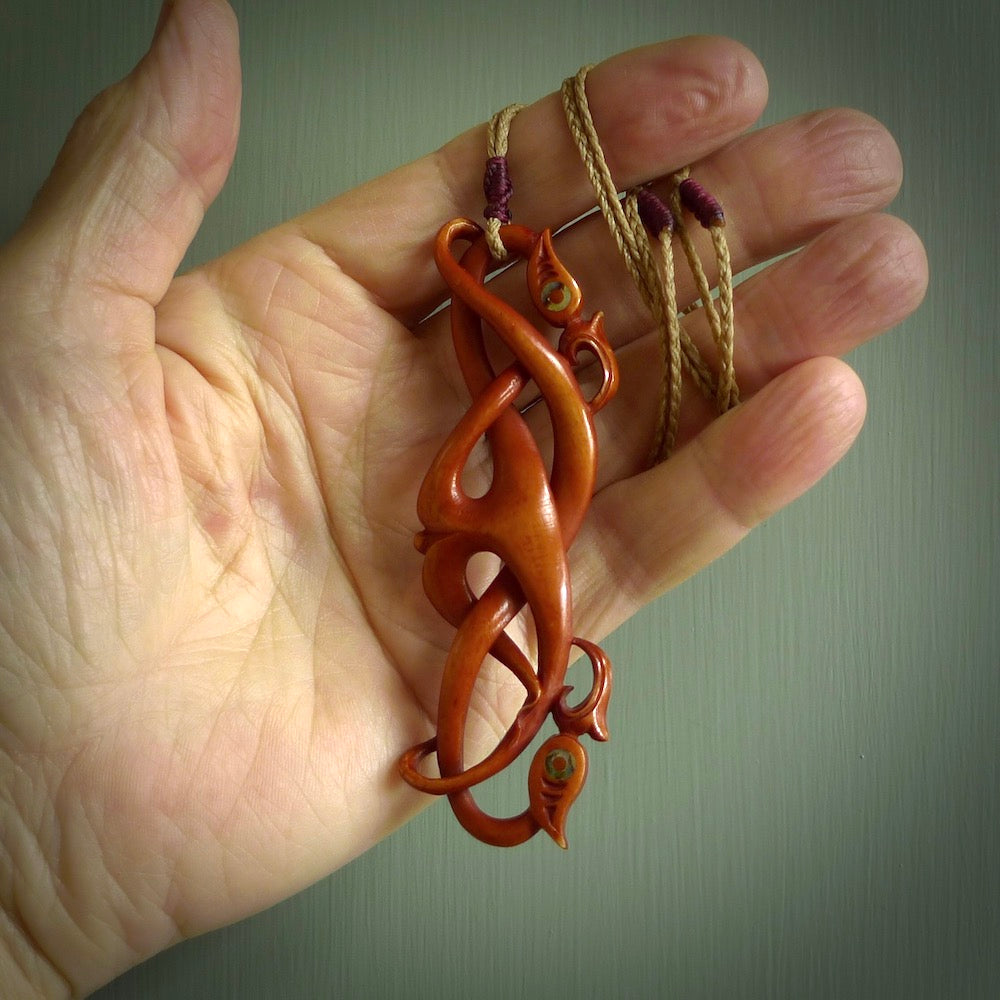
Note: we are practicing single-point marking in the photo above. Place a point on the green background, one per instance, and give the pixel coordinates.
(802, 796)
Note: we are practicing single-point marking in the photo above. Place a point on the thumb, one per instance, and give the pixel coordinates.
(143, 162)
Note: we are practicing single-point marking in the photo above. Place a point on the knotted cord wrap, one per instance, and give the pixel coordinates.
(497, 186)
(642, 226)
(700, 203)
(655, 216)
(498, 189)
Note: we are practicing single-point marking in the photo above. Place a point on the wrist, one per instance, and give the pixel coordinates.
(68, 925)
(25, 972)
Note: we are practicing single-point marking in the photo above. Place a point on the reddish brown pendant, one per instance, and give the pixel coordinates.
(528, 518)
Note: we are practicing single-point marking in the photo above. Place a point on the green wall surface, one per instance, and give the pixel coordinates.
(801, 798)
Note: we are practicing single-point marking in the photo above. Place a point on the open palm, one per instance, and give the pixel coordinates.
(212, 634)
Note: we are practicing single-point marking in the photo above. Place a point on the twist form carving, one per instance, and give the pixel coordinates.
(528, 519)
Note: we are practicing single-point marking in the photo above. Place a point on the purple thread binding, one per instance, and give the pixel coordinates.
(654, 213)
(701, 204)
(497, 188)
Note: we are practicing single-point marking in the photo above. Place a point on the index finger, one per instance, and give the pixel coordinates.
(656, 109)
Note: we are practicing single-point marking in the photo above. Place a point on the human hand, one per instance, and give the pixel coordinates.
(214, 643)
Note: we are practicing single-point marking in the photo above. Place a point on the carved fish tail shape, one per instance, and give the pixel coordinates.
(528, 519)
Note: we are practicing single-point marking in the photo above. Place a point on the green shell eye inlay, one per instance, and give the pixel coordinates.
(559, 765)
(556, 296)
